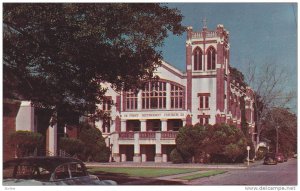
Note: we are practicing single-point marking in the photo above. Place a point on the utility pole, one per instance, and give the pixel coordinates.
(277, 127)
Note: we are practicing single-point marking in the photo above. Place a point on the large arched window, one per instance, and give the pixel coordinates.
(211, 58)
(154, 96)
(197, 59)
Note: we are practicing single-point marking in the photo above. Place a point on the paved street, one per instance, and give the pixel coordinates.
(280, 174)
(257, 174)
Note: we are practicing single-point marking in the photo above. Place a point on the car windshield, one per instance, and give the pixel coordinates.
(43, 168)
(26, 171)
(69, 170)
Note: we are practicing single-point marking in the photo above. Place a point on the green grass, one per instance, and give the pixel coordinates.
(201, 175)
(142, 172)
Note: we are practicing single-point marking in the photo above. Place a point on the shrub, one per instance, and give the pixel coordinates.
(218, 143)
(94, 145)
(71, 145)
(25, 142)
(176, 156)
(102, 155)
(189, 140)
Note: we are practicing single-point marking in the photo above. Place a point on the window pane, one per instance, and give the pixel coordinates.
(200, 61)
(201, 101)
(206, 102)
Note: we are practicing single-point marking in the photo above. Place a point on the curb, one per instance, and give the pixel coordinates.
(140, 165)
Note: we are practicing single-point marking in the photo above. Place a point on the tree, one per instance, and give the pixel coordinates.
(269, 83)
(176, 157)
(25, 142)
(95, 148)
(238, 76)
(189, 141)
(281, 129)
(58, 54)
(71, 146)
(219, 143)
(225, 143)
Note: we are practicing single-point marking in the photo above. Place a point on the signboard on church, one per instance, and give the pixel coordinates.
(155, 115)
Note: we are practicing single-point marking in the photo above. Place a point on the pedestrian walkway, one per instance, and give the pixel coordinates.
(170, 165)
(176, 177)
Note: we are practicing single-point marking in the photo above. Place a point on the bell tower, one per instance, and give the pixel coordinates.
(207, 61)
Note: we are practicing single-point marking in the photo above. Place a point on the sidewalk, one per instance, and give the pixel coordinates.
(171, 165)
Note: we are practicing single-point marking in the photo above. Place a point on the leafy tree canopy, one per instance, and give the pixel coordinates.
(221, 142)
(238, 76)
(57, 54)
(285, 122)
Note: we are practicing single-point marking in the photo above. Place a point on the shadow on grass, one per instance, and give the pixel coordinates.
(123, 179)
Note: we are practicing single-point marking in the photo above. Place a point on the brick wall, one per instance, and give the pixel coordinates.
(10, 110)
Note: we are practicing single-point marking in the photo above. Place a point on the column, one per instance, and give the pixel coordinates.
(158, 155)
(123, 157)
(113, 126)
(25, 117)
(168, 94)
(164, 158)
(137, 154)
(143, 125)
(143, 154)
(183, 122)
(164, 154)
(164, 124)
(123, 125)
(115, 147)
(204, 62)
(52, 139)
(139, 107)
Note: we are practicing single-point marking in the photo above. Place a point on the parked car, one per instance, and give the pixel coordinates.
(48, 171)
(270, 159)
(279, 157)
(295, 155)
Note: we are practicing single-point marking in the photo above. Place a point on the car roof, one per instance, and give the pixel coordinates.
(47, 161)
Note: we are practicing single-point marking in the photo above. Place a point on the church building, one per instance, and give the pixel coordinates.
(143, 126)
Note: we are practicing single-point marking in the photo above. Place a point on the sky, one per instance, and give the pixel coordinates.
(260, 32)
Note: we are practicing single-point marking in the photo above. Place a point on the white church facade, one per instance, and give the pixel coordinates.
(143, 126)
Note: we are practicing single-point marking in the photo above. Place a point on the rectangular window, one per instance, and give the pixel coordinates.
(201, 102)
(203, 119)
(204, 100)
(176, 97)
(131, 100)
(107, 102)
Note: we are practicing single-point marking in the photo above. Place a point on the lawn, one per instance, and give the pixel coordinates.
(201, 175)
(142, 172)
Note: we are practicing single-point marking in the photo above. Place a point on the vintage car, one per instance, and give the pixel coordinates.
(279, 157)
(270, 159)
(48, 171)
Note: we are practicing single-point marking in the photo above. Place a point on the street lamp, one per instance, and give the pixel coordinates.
(248, 158)
(277, 127)
(111, 159)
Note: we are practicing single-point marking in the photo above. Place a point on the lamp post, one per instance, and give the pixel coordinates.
(248, 149)
(111, 159)
(277, 127)
(109, 148)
